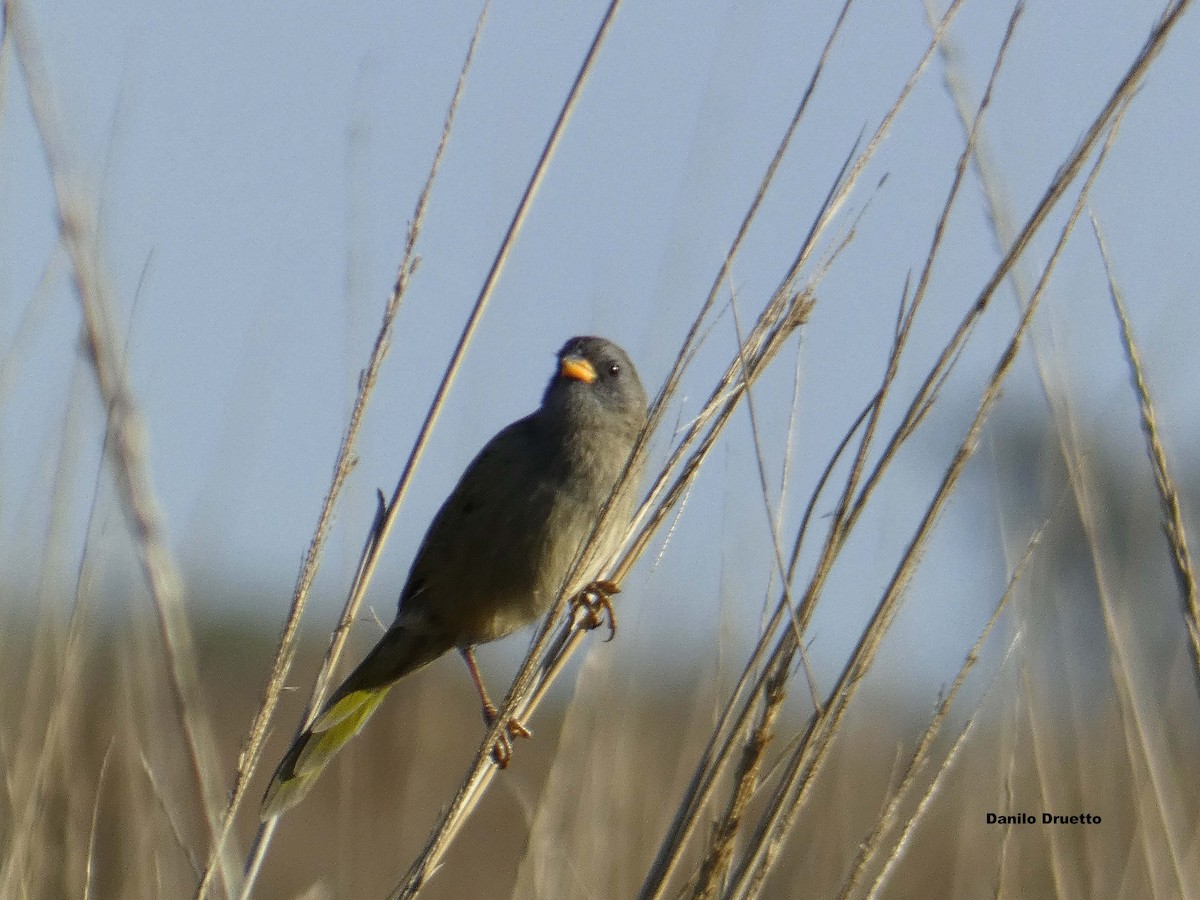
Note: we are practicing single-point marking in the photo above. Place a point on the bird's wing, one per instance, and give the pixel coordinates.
(490, 488)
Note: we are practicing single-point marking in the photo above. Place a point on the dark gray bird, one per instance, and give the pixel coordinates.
(498, 550)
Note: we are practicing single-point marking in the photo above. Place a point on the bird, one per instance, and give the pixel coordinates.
(498, 550)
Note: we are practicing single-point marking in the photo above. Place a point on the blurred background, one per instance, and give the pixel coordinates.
(253, 170)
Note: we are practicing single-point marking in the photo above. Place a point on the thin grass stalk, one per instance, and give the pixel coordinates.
(724, 830)
(140, 722)
(1162, 823)
(808, 759)
(6, 796)
(1148, 803)
(724, 399)
(1061, 869)
(688, 472)
(160, 800)
(1173, 528)
(787, 310)
(827, 474)
(843, 521)
(999, 214)
(63, 685)
(89, 870)
(1076, 464)
(135, 485)
(1133, 714)
(929, 795)
(1134, 727)
(5, 56)
(675, 375)
(787, 300)
(1009, 722)
(1066, 174)
(710, 763)
(1155, 784)
(712, 759)
(252, 748)
(723, 833)
(785, 475)
(870, 847)
(718, 856)
(1003, 230)
(42, 295)
(1156, 781)
(764, 490)
(1010, 775)
(1124, 885)
(846, 181)
(55, 660)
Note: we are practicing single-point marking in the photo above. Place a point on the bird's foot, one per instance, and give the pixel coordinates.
(513, 728)
(595, 601)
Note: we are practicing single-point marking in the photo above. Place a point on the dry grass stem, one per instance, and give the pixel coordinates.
(1137, 728)
(383, 523)
(869, 848)
(904, 838)
(711, 764)
(128, 454)
(690, 341)
(764, 847)
(1061, 871)
(1163, 823)
(718, 856)
(773, 519)
(160, 801)
(724, 831)
(89, 868)
(56, 663)
(1168, 493)
(846, 515)
(1165, 819)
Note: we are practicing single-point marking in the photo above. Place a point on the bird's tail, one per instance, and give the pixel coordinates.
(398, 653)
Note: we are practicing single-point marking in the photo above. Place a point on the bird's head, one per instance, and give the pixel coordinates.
(596, 385)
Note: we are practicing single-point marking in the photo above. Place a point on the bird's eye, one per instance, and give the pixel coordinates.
(614, 370)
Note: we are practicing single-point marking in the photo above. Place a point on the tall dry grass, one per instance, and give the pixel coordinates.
(123, 777)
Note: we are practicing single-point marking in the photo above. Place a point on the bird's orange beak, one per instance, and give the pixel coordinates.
(578, 368)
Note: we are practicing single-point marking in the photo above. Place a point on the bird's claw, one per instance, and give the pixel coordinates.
(513, 728)
(596, 602)
(502, 751)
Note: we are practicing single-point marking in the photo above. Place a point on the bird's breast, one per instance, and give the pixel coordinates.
(532, 540)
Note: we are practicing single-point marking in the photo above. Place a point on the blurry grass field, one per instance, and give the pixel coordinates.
(134, 744)
(604, 775)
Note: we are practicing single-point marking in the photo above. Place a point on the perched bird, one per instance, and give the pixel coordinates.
(496, 554)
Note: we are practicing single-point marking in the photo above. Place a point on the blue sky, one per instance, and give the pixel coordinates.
(256, 167)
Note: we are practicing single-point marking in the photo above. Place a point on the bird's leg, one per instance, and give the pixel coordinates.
(502, 752)
(594, 600)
